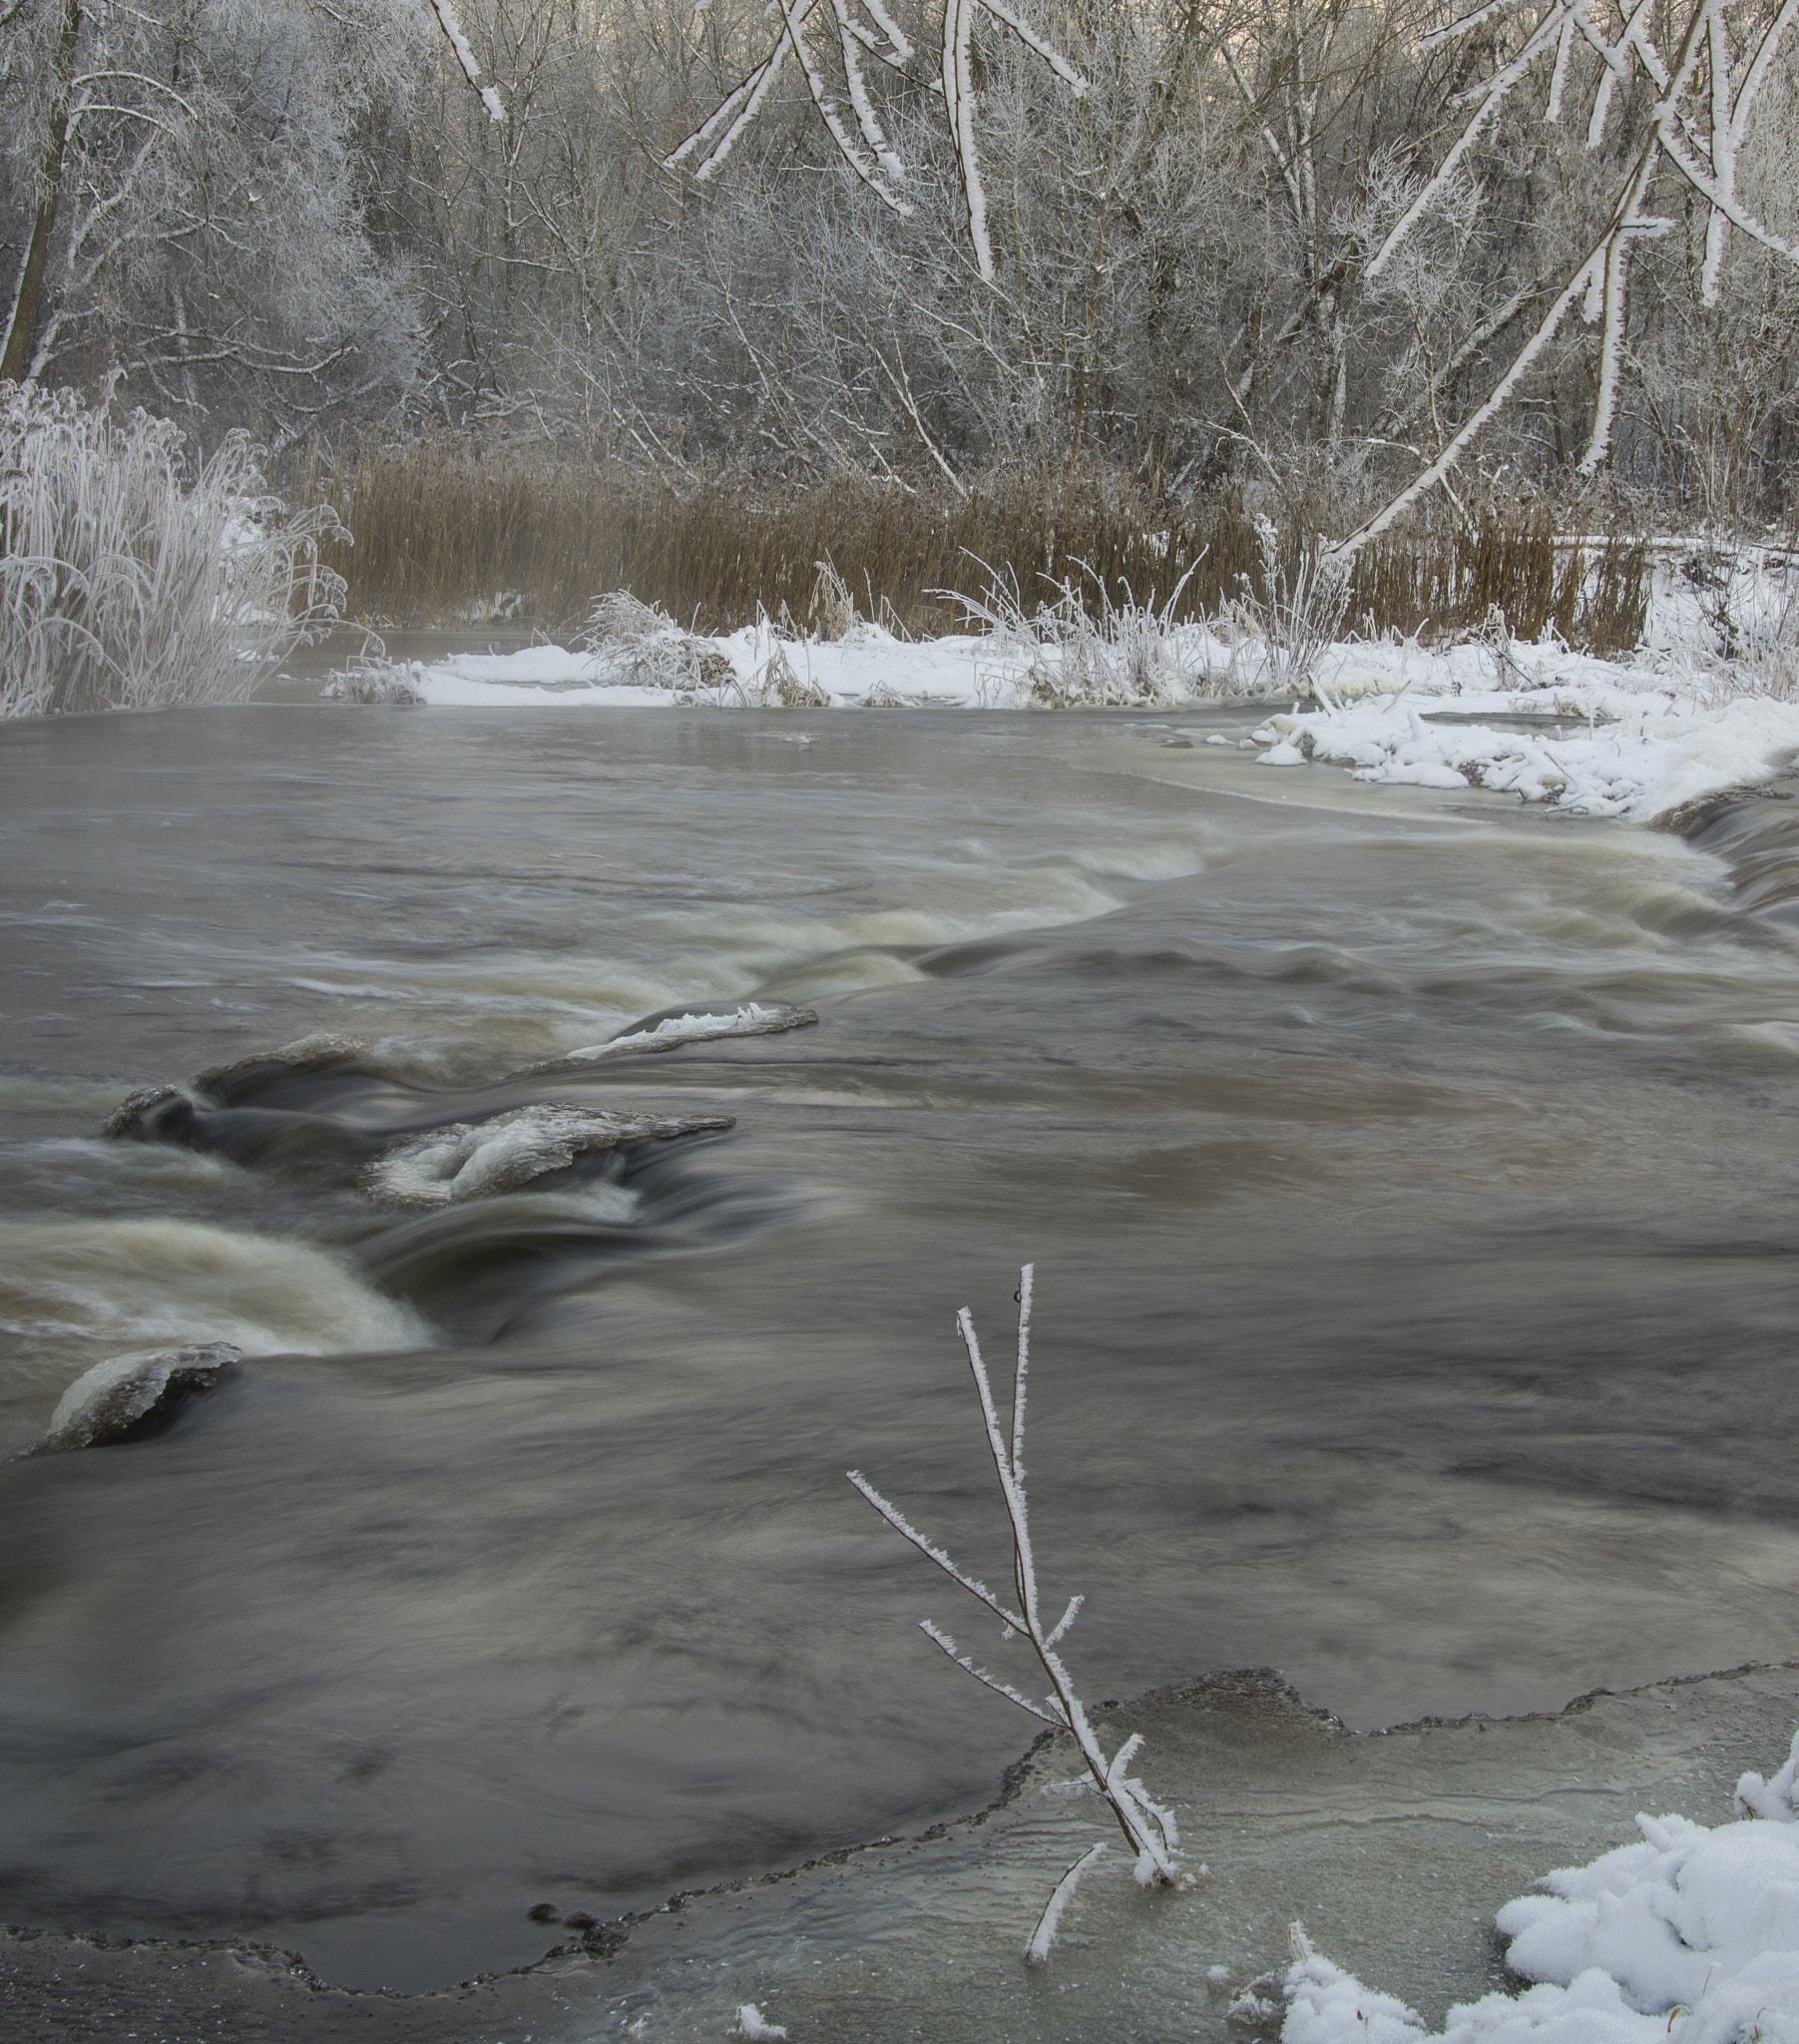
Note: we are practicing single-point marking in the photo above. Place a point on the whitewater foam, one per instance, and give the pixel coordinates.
(69, 1285)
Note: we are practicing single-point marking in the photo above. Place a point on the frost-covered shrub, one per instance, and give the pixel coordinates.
(1290, 620)
(1119, 654)
(396, 684)
(130, 577)
(641, 645)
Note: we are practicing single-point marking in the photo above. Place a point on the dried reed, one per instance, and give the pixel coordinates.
(448, 526)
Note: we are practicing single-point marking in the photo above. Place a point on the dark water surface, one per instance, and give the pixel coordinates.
(1409, 1178)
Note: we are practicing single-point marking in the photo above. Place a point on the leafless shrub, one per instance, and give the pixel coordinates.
(1149, 1829)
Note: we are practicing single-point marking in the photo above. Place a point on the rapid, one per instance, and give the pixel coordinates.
(1409, 1180)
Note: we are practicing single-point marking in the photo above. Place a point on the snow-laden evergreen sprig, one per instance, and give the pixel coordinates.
(1149, 1829)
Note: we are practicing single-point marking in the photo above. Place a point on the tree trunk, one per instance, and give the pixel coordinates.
(23, 318)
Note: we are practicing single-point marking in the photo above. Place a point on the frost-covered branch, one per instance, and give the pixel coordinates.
(1149, 1829)
(870, 152)
(465, 57)
(1681, 115)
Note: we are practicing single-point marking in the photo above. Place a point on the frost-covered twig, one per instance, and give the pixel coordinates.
(870, 154)
(1050, 1923)
(1149, 1829)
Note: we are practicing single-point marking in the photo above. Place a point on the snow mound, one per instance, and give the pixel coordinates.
(1638, 756)
(474, 1160)
(1690, 1934)
(751, 1019)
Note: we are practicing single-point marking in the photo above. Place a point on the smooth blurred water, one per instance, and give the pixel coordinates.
(1409, 1180)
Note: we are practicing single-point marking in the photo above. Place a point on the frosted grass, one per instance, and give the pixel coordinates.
(127, 582)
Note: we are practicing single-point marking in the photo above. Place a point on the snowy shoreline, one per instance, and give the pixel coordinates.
(1638, 740)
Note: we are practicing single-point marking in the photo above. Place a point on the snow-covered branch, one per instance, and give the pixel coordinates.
(1149, 1829)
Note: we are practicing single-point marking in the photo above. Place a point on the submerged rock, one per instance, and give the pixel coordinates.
(471, 1161)
(134, 1395)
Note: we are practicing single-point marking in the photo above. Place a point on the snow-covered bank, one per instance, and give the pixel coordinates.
(1583, 744)
(869, 669)
(1639, 738)
(1690, 1934)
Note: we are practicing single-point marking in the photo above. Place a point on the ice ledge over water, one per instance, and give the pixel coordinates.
(1692, 1935)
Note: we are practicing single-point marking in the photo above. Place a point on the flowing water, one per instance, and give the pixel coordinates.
(1409, 1181)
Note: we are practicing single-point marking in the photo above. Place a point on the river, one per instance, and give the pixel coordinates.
(1408, 1177)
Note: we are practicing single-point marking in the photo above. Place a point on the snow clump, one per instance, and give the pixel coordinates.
(751, 1019)
(1690, 1934)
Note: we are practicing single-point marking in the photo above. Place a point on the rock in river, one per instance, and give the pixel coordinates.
(132, 1395)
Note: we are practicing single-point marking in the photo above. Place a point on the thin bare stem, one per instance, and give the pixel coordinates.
(1149, 1830)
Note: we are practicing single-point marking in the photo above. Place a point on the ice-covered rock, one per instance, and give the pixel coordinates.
(472, 1161)
(139, 1113)
(751, 1019)
(132, 1395)
(305, 1054)
(164, 1110)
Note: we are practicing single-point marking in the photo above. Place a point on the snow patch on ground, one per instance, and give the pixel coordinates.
(1691, 1934)
(1583, 743)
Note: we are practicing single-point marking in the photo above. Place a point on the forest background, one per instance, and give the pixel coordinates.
(296, 216)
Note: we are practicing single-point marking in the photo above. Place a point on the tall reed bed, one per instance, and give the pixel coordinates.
(130, 577)
(447, 526)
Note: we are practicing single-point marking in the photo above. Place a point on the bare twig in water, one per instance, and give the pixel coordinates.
(1149, 1829)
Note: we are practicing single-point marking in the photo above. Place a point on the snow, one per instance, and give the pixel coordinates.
(963, 670)
(1690, 1934)
(1635, 739)
(1598, 751)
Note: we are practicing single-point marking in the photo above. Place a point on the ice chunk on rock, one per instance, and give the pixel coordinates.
(471, 1161)
(132, 1395)
(751, 1019)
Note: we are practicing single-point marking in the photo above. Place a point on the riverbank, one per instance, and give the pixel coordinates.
(1640, 738)
(1395, 1848)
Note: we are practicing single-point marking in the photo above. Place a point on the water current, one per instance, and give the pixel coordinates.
(1409, 1178)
